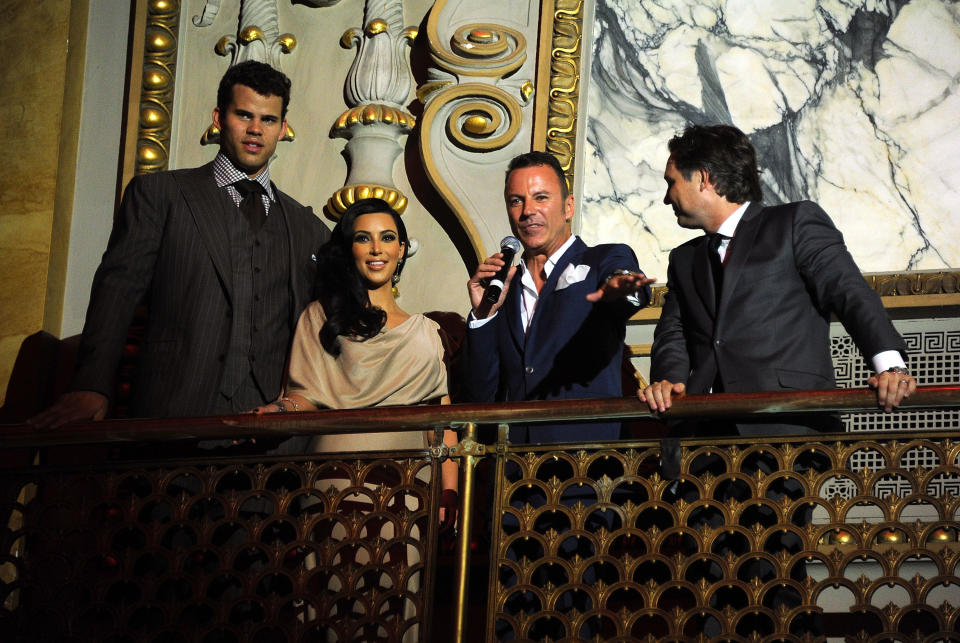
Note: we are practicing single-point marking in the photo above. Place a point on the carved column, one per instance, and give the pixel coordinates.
(377, 87)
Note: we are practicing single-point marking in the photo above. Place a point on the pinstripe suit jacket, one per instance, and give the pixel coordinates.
(169, 246)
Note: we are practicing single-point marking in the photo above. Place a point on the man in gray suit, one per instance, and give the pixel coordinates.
(224, 262)
(748, 305)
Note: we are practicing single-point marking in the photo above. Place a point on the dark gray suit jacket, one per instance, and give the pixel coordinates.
(169, 246)
(787, 271)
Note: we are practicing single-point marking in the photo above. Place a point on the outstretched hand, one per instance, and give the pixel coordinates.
(621, 286)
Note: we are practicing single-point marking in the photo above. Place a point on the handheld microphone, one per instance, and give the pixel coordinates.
(510, 247)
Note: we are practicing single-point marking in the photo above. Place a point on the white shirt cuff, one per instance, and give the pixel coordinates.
(473, 322)
(887, 359)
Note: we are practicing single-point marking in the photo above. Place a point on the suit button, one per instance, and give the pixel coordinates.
(717, 342)
(529, 370)
(221, 357)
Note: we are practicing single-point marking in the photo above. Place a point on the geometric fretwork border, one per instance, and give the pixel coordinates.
(934, 358)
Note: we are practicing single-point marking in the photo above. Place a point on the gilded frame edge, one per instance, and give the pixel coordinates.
(555, 131)
(149, 108)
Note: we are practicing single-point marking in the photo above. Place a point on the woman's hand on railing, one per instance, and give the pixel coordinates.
(449, 508)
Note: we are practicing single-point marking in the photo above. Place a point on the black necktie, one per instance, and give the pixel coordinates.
(251, 205)
(716, 265)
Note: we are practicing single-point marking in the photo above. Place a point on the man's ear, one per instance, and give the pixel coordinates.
(216, 118)
(568, 207)
(705, 182)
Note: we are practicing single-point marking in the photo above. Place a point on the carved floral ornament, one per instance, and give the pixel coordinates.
(471, 99)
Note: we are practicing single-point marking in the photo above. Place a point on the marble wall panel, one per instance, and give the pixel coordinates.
(851, 103)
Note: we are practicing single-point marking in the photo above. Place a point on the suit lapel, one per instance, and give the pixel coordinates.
(703, 277)
(206, 203)
(739, 251)
(545, 299)
(511, 307)
(292, 250)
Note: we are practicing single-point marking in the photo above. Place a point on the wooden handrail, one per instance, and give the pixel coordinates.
(405, 418)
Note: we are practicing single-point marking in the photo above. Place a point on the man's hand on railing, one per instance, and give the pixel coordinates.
(75, 406)
(658, 395)
(892, 387)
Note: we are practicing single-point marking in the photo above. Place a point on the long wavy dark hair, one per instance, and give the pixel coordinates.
(340, 289)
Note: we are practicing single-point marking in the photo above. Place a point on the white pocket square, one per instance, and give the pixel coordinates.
(572, 275)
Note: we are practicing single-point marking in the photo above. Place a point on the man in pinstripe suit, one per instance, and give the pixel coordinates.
(225, 263)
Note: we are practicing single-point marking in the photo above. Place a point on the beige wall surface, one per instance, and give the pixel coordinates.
(34, 55)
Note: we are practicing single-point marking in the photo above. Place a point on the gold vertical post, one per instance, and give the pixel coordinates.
(469, 449)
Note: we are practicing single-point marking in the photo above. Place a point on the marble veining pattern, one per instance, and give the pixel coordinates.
(850, 103)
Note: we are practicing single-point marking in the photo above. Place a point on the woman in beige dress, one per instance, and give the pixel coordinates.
(354, 347)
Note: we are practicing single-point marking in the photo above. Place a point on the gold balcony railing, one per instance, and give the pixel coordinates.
(124, 530)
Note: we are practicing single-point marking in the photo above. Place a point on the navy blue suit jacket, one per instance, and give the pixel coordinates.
(573, 348)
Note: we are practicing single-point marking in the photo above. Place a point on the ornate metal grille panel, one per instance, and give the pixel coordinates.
(770, 539)
(312, 550)
(934, 359)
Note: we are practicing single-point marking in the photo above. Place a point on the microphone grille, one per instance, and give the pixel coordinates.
(511, 243)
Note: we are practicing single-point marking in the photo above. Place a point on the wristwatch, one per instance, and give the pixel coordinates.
(617, 273)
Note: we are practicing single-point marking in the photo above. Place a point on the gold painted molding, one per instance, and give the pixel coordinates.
(155, 81)
(917, 289)
(558, 82)
(350, 194)
(374, 113)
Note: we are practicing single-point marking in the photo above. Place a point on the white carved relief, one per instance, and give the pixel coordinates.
(477, 107)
